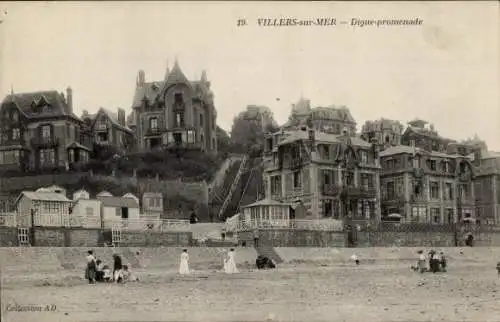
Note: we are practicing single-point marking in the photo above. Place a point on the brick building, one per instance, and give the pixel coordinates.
(39, 131)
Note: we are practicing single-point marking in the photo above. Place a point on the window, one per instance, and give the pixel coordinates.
(9, 157)
(179, 119)
(327, 177)
(46, 131)
(434, 186)
(449, 216)
(297, 182)
(364, 156)
(391, 193)
(276, 185)
(47, 157)
(446, 166)
(201, 120)
(463, 191)
(416, 162)
(419, 214)
(349, 178)
(213, 143)
(153, 123)
(15, 116)
(16, 134)
(191, 136)
(326, 150)
(433, 165)
(102, 137)
(178, 98)
(448, 191)
(71, 155)
(390, 164)
(102, 123)
(436, 215)
(327, 208)
(89, 211)
(367, 180)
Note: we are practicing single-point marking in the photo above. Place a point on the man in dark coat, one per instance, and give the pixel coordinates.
(117, 267)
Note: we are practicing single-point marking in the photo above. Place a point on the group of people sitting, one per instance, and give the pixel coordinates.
(97, 271)
(436, 262)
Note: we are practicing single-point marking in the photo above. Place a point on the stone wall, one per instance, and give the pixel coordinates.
(83, 237)
(152, 239)
(33, 182)
(295, 238)
(404, 239)
(8, 236)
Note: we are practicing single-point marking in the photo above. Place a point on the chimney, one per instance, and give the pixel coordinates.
(121, 116)
(141, 78)
(69, 98)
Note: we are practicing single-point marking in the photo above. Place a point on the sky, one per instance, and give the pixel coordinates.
(445, 71)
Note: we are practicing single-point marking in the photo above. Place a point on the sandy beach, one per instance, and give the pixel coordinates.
(294, 292)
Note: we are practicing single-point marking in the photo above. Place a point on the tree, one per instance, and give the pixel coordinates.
(250, 126)
(223, 140)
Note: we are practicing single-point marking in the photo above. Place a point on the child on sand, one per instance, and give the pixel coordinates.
(107, 276)
(354, 257)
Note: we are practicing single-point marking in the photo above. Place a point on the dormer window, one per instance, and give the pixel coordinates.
(15, 116)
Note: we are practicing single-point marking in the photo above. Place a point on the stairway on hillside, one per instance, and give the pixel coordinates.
(269, 252)
(233, 187)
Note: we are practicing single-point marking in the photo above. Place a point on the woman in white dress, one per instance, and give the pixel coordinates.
(184, 266)
(230, 263)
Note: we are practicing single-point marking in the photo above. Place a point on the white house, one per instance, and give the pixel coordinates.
(104, 194)
(86, 211)
(118, 210)
(52, 188)
(131, 195)
(152, 205)
(49, 208)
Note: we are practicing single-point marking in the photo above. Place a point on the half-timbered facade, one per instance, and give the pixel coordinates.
(110, 129)
(332, 175)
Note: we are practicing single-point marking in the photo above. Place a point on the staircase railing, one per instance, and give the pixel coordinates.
(234, 185)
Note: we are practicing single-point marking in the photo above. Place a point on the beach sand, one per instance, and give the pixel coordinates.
(294, 292)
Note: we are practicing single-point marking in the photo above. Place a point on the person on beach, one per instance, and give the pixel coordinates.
(230, 263)
(91, 267)
(421, 264)
(184, 265)
(107, 276)
(99, 274)
(498, 269)
(355, 259)
(117, 268)
(443, 262)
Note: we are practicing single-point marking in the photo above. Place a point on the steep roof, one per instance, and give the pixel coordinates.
(54, 99)
(333, 113)
(400, 149)
(43, 196)
(118, 202)
(321, 137)
(113, 117)
(176, 76)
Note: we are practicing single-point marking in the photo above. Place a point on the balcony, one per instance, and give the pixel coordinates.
(368, 192)
(296, 163)
(101, 127)
(154, 131)
(13, 142)
(45, 142)
(331, 190)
